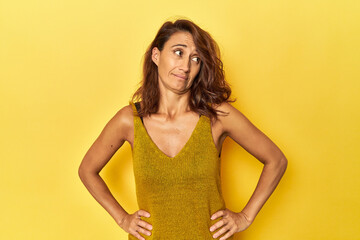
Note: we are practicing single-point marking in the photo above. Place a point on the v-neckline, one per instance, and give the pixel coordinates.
(182, 149)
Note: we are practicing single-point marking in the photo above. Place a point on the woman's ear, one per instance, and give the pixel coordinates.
(155, 55)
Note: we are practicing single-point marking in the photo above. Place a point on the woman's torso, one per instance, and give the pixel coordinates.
(180, 192)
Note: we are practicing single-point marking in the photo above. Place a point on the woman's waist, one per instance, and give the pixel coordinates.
(185, 212)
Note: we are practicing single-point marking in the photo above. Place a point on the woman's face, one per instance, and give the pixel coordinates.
(178, 63)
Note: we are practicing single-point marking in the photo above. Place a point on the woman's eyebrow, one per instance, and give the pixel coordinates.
(181, 45)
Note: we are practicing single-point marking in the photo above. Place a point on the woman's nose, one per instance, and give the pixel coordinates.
(185, 64)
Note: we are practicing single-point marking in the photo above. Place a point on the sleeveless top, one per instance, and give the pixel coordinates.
(181, 193)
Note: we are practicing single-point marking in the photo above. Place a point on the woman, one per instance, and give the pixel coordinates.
(176, 133)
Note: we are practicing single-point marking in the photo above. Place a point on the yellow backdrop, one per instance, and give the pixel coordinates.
(68, 66)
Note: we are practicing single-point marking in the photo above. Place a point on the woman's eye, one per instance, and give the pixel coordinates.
(179, 53)
(197, 59)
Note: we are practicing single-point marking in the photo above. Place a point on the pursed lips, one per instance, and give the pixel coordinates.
(183, 77)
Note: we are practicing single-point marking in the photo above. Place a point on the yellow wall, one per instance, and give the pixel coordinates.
(66, 67)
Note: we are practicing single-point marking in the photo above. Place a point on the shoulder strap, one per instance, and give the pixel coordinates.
(137, 105)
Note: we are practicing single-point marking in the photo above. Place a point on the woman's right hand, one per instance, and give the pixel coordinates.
(133, 224)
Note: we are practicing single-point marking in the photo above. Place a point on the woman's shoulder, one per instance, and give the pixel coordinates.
(125, 114)
(224, 106)
(124, 121)
(229, 115)
(225, 110)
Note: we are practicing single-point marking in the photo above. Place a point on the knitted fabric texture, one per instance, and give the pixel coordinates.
(181, 193)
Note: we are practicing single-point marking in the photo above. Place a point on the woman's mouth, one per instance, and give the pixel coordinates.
(180, 76)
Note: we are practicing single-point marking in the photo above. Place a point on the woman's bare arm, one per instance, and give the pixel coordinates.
(112, 137)
(242, 131)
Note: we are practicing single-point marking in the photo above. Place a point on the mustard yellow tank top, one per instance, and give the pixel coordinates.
(182, 192)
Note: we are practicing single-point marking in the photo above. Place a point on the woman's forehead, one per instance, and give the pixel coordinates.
(182, 39)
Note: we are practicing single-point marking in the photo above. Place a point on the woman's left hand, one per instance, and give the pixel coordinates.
(231, 223)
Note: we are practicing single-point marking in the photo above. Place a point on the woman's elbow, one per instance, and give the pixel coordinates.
(81, 172)
(282, 164)
(84, 171)
(278, 164)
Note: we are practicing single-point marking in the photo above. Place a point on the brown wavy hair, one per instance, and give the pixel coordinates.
(209, 88)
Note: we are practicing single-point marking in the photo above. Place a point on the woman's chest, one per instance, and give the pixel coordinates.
(171, 138)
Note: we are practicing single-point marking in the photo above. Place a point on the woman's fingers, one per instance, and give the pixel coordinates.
(143, 213)
(141, 224)
(227, 235)
(142, 230)
(144, 224)
(230, 223)
(134, 225)
(217, 225)
(222, 230)
(138, 236)
(218, 214)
